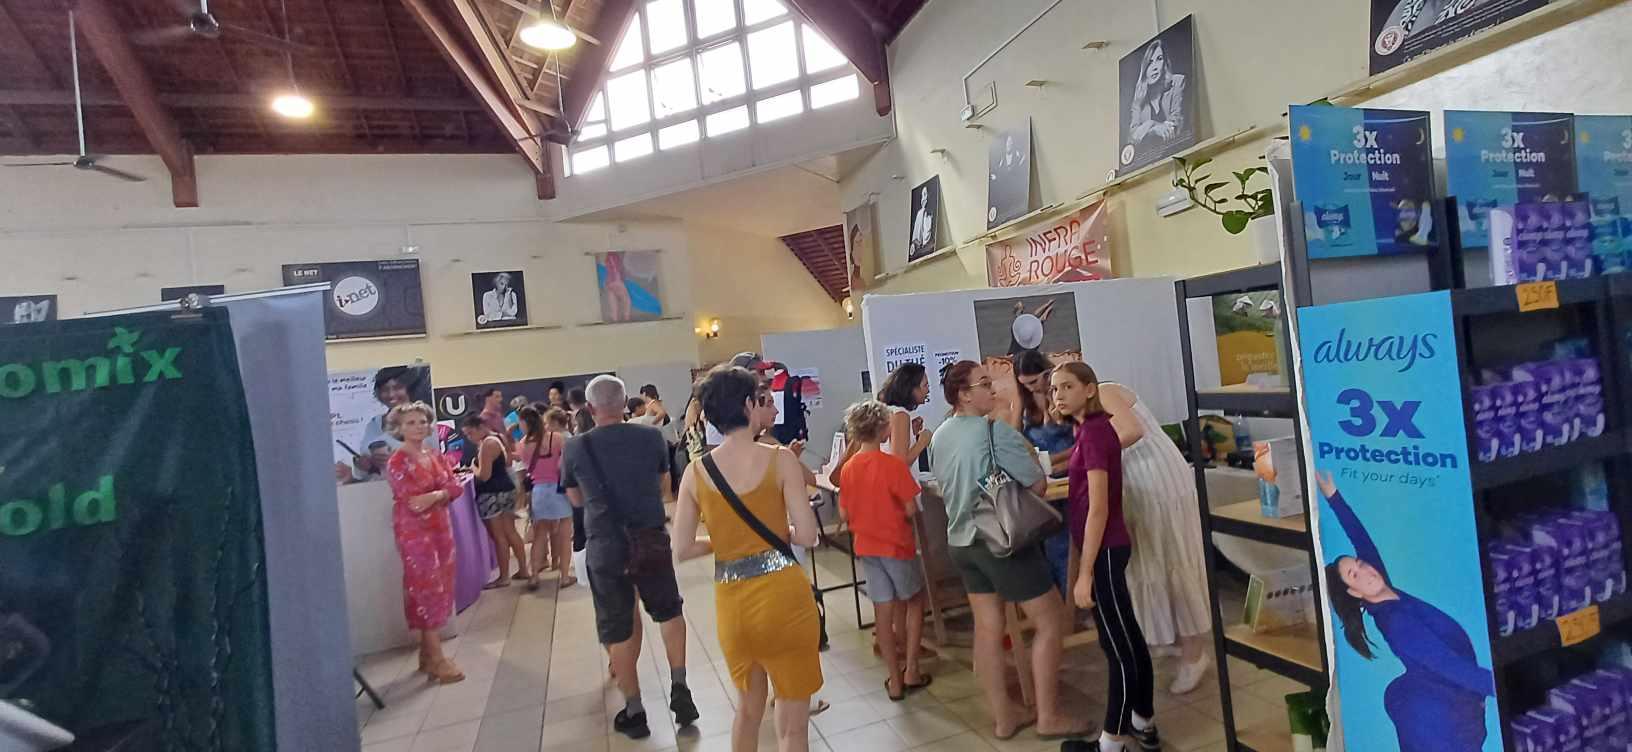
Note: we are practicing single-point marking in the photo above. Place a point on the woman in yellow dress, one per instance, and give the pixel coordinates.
(768, 624)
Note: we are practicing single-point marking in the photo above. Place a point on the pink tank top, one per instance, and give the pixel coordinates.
(546, 467)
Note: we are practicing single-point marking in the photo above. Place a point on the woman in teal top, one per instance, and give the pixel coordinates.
(960, 458)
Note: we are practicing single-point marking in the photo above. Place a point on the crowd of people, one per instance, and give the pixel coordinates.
(598, 466)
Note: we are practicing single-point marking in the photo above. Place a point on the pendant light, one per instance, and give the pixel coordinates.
(292, 104)
(548, 33)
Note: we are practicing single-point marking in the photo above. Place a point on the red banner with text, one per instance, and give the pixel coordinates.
(1072, 248)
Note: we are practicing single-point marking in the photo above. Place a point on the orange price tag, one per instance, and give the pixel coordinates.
(1578, 627)
(1535, 296)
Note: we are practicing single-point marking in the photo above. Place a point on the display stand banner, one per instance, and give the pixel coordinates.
(366, 298)
(1072, 248)
(133, 590)
(358, 404)
(1397, 527)
(1504, 158)
(1365, 178)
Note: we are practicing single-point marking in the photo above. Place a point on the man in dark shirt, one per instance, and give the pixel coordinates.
(619, 474)
(493, 417)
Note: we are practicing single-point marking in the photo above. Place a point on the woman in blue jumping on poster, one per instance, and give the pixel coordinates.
(1438, 704)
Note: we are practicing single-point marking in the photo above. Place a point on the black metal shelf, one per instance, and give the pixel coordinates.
(1246, 279)
(1485, 301)
(1273, 661)
(1516, 647)
(1258, 403)
(1619, 284)
(1242, 520)
(1487, 475)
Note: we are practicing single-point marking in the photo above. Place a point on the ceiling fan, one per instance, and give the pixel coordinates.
(84, 161)
(200, 22)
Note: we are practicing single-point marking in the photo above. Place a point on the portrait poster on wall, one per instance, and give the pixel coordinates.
(926, 209)
(358, 403)
(1397, 534)
(167, 294)
(1505, 158)
(1008, 184)
(1365, 178)
(1405, 29)
(859, 247)
(1048, 324)
(1073, 248)
(1158, 104)
(367, 298)
(630, 284)
(27, 309)
(499, 298)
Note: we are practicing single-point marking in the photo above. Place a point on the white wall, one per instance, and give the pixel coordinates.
(100, 243)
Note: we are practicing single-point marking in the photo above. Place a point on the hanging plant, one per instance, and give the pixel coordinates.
(1234, 212)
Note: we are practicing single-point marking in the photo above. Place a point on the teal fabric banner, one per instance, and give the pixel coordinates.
(133, 606)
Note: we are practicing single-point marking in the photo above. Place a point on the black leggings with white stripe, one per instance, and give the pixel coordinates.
(1132, 683)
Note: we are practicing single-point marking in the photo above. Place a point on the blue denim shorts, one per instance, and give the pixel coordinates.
(892, 579)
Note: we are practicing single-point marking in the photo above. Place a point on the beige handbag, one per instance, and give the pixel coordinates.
(1008, 517)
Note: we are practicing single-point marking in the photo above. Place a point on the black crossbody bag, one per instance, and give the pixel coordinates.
(649, 549)
(753, 522)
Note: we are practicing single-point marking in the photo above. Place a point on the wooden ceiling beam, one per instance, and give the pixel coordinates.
(854, 35)
(106, 38)
(481, 28)
(589, 67)
(241, 101)
(475, 78)
(10, 30)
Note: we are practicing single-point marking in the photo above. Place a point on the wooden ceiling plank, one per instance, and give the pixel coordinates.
(471, 72)
(481, 28)
(10, 29)
(238, 101)
(854, 35)
(18, 128)
(527, 9)
(589, 68)
(403, 88)
(106, 38)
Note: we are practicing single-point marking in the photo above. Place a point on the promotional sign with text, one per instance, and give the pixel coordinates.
(1404, 589)
(1365, 178)
(1072, 248)
(367, 298)
(1497, 159)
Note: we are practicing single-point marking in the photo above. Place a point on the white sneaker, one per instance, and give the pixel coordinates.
(1190, 676)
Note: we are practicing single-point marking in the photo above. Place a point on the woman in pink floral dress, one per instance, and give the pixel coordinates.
(423, 483)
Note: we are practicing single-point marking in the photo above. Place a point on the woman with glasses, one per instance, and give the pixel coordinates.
(960, 458)
(423, 484)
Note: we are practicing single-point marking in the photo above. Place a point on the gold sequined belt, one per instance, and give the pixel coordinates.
(749, 567)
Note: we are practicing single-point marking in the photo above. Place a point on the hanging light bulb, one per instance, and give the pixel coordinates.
(293, 105)
(548, 34)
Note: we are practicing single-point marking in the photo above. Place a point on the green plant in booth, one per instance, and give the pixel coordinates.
(1234, 212)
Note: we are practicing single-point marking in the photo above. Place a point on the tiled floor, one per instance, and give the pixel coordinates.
(538, 681)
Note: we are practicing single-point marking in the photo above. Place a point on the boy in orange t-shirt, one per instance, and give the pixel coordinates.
(878, 497)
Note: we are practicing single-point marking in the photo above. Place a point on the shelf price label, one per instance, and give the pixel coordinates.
(1578, 627)
(1536, 296)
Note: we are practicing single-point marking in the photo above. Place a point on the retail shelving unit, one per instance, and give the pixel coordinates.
(1298, 653)
(1492, 327)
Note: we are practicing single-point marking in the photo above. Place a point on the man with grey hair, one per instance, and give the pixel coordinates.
(618, 473)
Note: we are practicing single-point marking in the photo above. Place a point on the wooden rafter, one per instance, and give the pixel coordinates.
(498, 61)
(857, 37)
(240, 101)
(589, 69)
(475, 77)
(106, 38)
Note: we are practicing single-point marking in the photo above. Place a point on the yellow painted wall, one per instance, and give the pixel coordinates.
(102, 244)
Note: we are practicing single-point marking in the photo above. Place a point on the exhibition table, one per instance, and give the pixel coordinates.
(474, 559)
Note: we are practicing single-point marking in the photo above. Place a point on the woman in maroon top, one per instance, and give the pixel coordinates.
(1095, 509)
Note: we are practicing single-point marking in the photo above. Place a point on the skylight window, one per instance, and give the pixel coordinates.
(683, 71)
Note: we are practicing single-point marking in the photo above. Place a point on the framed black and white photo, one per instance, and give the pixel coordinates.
(27, 309)
(926, 210)
(499, 298)
(1008, 186)
(1157, 108)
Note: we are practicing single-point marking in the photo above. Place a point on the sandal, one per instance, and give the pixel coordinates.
(924, 680)
(496, 584)
(895, 698)
(519, 576)
(567, 581)
(820, 707)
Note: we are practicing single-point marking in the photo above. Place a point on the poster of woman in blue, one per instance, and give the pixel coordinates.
(1411, 656)
(630, 287)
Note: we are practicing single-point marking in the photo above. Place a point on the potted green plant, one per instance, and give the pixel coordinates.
(1234, 212)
